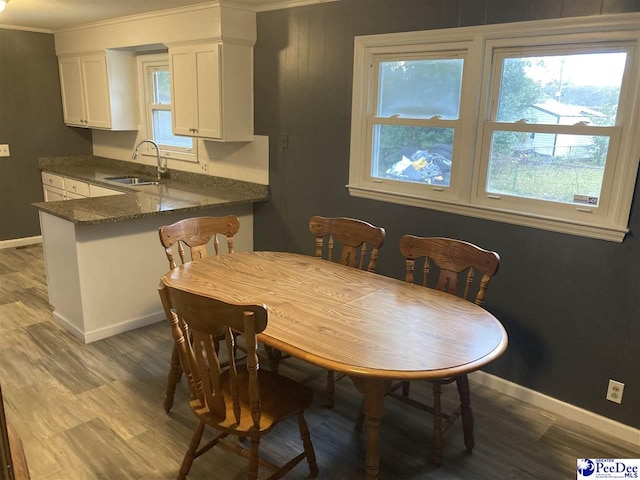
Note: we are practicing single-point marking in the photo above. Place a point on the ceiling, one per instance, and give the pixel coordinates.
(52, 15)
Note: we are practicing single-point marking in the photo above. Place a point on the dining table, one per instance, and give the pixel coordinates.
(371, 327)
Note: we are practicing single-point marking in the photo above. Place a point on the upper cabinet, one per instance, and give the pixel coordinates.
(212, 91)
(99, 90)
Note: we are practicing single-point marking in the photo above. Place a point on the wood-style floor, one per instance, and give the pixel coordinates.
(95, 411)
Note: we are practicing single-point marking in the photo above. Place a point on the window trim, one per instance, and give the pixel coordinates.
(610, 223)
(147, 63)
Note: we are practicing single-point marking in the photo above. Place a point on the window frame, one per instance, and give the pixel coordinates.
(147, 65)
(467, 193)
(457, 125)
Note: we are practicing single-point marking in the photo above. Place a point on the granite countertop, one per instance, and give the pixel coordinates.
(182, 191)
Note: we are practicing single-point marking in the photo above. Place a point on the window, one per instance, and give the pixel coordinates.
(535, 127)
(416, 115)
(157, 94)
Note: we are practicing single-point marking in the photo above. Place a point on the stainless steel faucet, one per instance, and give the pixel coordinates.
(160, 167)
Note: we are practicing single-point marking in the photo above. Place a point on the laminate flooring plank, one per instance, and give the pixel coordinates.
(19, 369)
(579, 441)
(44, 409)
(45, 339)
(131, 413)
(103, 453)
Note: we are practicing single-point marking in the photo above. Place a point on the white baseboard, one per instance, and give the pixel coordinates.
(111, 330)
(19, 242)
(68, 325)
(576, 414)
(105, 332)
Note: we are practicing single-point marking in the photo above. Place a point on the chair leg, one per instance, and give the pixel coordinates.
(437, 424)
(360, 420)
(405, 389)
(462, 383)
(308, 446)
(254, 458)
(175, 372)
(191, 452)
(331, 389)
(274, 356)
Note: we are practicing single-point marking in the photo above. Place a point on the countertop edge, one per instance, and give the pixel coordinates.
(178, 194)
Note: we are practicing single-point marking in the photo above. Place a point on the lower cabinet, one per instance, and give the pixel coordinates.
(53, 186)
(52, 194)
(58, 187)
(75, 188)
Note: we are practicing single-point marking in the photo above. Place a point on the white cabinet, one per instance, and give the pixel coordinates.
(212, 91)
(53, 187)
(52, 194)
(57, 187)
(75, 188)
(99, 90)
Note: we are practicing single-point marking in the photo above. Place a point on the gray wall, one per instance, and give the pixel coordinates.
(31, 123)
(570, 304)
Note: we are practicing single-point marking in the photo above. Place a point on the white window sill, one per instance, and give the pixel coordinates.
(601, 232)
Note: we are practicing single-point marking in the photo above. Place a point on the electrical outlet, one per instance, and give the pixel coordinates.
(204, 165)
(4, 150)
(614, 392)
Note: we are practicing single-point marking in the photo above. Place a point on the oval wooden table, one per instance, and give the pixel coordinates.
(373, 328)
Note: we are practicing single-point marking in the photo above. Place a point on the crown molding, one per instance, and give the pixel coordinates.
(25, 29)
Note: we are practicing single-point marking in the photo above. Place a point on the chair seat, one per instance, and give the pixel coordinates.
(273, 405)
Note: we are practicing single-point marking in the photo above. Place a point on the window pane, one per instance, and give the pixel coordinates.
(562, 89)
(412, 154)
(547, 166)
(420, 88)
(162, 133)
(161, 88)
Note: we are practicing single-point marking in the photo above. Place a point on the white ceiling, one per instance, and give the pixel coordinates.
(52, 15)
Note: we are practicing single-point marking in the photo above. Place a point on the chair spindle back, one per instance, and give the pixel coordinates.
(196, 233)
(452, 258)
(358, 238)
(206, 318)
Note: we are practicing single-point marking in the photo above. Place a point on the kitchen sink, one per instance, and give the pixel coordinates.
(133, 180)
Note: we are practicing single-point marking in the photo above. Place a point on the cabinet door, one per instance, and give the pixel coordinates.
(96, 89)
(72, 196)
(196, 91)
(52, 194)
(208, 107)
(75, 187)
(183, 90)
(72, 94)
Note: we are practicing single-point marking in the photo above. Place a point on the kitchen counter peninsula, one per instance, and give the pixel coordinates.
(103, 255)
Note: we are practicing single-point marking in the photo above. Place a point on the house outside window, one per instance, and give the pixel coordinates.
(156, 87)
(533, 125)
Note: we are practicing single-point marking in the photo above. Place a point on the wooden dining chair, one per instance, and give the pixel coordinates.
(452, 266)
(198, 234)
(240, 400)
(359, 243)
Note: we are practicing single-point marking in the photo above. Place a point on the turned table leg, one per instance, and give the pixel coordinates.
(373, 390)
